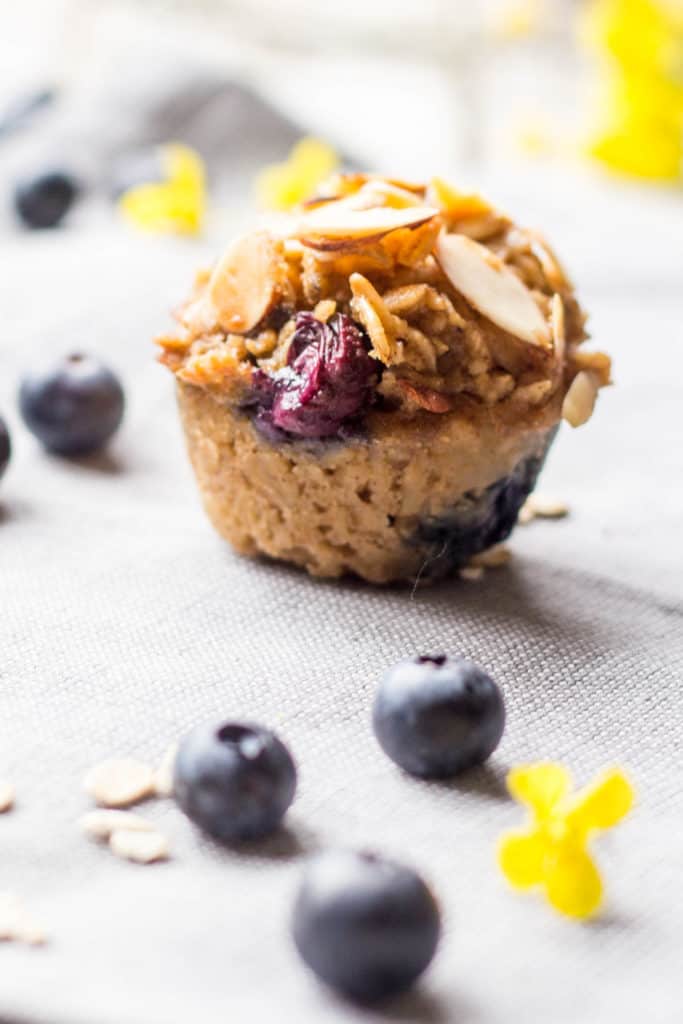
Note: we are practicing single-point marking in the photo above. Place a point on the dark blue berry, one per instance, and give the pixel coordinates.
(436, 716)
(74, 407)
(366, 926)
(5, 446)
(44, 200)
(479, 519)
(328, 381)
(234, 780)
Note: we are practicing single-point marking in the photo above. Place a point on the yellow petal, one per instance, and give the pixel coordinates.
(521, 856)
(540, 786)
(602, 804)
(572, 882)
(176, 205)
(183, 165)
(282, 186)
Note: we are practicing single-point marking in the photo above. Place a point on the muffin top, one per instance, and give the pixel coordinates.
(380, 295)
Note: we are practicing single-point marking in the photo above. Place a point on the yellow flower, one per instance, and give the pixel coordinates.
(175, 205)
(282, 186)
(640, 114)
(552, 852)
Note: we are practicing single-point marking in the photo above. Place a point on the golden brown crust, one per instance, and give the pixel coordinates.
(519, 343)
(353, 507)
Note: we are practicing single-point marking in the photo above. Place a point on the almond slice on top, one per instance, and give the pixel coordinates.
(492, 288)
(336, 225)
(243, 285)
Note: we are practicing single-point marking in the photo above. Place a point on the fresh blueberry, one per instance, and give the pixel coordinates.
(327, 382)
(234, 780)
(74, 407)
(43, 200)
(5, 446)
(436, 716)
(366, 926)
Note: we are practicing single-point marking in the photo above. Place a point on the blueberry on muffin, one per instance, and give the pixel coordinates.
(371, 384)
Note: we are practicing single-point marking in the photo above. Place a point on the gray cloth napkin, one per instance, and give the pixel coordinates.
(124, 621)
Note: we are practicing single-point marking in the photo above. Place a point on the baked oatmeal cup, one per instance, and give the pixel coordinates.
(371, 385)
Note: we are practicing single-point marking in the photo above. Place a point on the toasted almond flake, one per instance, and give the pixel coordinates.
(557, 326)
(163, 776)
(552, 268)
(546, 507)
(140, 847)
(492, 558)
(579, 401)
(472, 573)
(491, 287)
(243, 285)
(457, 204)
(119, 782)
(6, 796)
(333, 225)
(101, 824)
(382, 193)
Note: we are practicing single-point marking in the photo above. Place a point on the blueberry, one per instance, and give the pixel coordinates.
(366, 926)
(327, 382)
(43, 200)
(234, 780)
(436, 716)
(5, 446)
(74, 407)
(479, 519)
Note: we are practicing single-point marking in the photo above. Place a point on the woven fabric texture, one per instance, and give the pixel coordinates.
(125, 621)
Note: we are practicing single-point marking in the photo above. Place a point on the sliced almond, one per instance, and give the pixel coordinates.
(456, 204)
(119, 782)
(492, 288)
(6, 796)
(579, 401)
(243, 285)
(101, 824)
(140, 847)
(557, 326)
(336, 225)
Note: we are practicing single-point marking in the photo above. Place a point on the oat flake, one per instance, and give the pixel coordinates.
(101, 824)
(119, 782)
(140, 847)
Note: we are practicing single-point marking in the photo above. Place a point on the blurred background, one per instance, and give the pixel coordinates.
(496, 90)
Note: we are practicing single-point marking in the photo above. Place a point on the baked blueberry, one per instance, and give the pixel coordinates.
(44, 199)
(366, 926)
(435, 716)
(5, 446)
(326, 383)
(235, 780)
(73, 407)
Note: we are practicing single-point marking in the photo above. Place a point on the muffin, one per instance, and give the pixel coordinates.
(371, 385)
